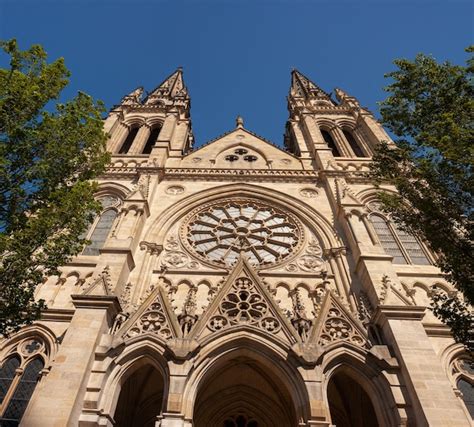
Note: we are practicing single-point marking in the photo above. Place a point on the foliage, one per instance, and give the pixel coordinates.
(48, 157)
(430, 109)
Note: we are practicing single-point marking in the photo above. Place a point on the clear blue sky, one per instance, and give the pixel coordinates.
(237, 56)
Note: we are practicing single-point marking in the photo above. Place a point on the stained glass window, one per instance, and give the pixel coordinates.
(388, 242)
(7, 373)
(412, 247)
(222, 232)
(100, 233)
(22, 394)
(467, 390)
(403, 246)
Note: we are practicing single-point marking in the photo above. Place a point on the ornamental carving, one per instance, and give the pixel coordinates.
(177, 260)
(220, 232)
(336, 327)
(153, 320)
(175, 190)
(244, 305)
(309, 193)
(311, 261)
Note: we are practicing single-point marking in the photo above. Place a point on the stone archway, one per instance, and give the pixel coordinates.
(141, 398)
(349, 404)
(243, 393)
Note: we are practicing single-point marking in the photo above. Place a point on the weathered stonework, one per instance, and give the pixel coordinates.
(238, 284)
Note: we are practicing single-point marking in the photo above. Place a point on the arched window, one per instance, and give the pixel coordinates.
(462, 371)
(353, 143)
(403, 246)
(100, 228)
(150, 143)
(7, 374)
(330, 142)
(467, 394)
(125, 148)
(19, 375)
(21, 396)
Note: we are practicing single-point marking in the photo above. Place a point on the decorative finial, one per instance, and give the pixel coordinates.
(239, 121)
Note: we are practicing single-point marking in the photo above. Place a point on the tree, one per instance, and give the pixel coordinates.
(49, 155)
(430, 109)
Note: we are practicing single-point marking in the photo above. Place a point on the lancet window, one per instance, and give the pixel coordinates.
(404, 247)
(150, 143)
(127, 144)
(462, 370)
(353, 143)
(330, 142)
(102, 225)
(19, 374)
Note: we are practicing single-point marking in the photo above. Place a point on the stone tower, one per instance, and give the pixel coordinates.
(239, 285)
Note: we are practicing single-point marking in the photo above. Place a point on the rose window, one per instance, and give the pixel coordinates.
(220, 233)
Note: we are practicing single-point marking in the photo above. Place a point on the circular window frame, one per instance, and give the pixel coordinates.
(293, 253)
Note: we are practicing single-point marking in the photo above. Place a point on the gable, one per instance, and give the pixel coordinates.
(240, 149)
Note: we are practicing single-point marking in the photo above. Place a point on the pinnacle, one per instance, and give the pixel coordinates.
(239, 122)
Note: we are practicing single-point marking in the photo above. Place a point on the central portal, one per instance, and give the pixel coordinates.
(243, 393)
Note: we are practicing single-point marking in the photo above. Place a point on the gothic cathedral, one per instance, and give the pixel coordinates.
(239, 284)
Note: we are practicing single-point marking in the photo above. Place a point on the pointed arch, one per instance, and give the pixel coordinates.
(267, 361)
(360, 367)
(122, 363)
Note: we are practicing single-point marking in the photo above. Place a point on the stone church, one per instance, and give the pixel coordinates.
(239, 284)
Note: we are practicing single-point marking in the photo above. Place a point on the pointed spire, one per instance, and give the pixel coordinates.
(303, 87)
(170, 90)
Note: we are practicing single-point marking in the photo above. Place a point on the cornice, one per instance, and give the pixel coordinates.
(272, 174)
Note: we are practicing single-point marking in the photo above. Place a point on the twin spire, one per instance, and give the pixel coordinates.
(173, 92)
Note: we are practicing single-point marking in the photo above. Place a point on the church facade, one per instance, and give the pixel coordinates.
(239, 285)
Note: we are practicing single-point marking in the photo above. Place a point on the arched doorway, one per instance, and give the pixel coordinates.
(349, 404)
(243, 393)
(141, 398)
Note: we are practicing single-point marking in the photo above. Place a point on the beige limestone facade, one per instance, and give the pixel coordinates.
(239, 284)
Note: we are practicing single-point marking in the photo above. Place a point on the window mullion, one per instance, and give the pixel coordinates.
(11, 391)
(399, 242)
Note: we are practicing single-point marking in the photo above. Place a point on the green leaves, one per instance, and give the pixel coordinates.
(48, 160)
(431, 109)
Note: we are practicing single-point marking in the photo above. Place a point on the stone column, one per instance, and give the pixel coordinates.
(318, 410)
(335, 259)
(140, 140)
(431, 395)
(341, 142)
(323, 153)
(173, 415)
(59, 401)
(146, 269)
(117, 138)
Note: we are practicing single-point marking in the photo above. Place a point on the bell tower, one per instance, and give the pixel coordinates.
(322, 129)
(157, 125)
